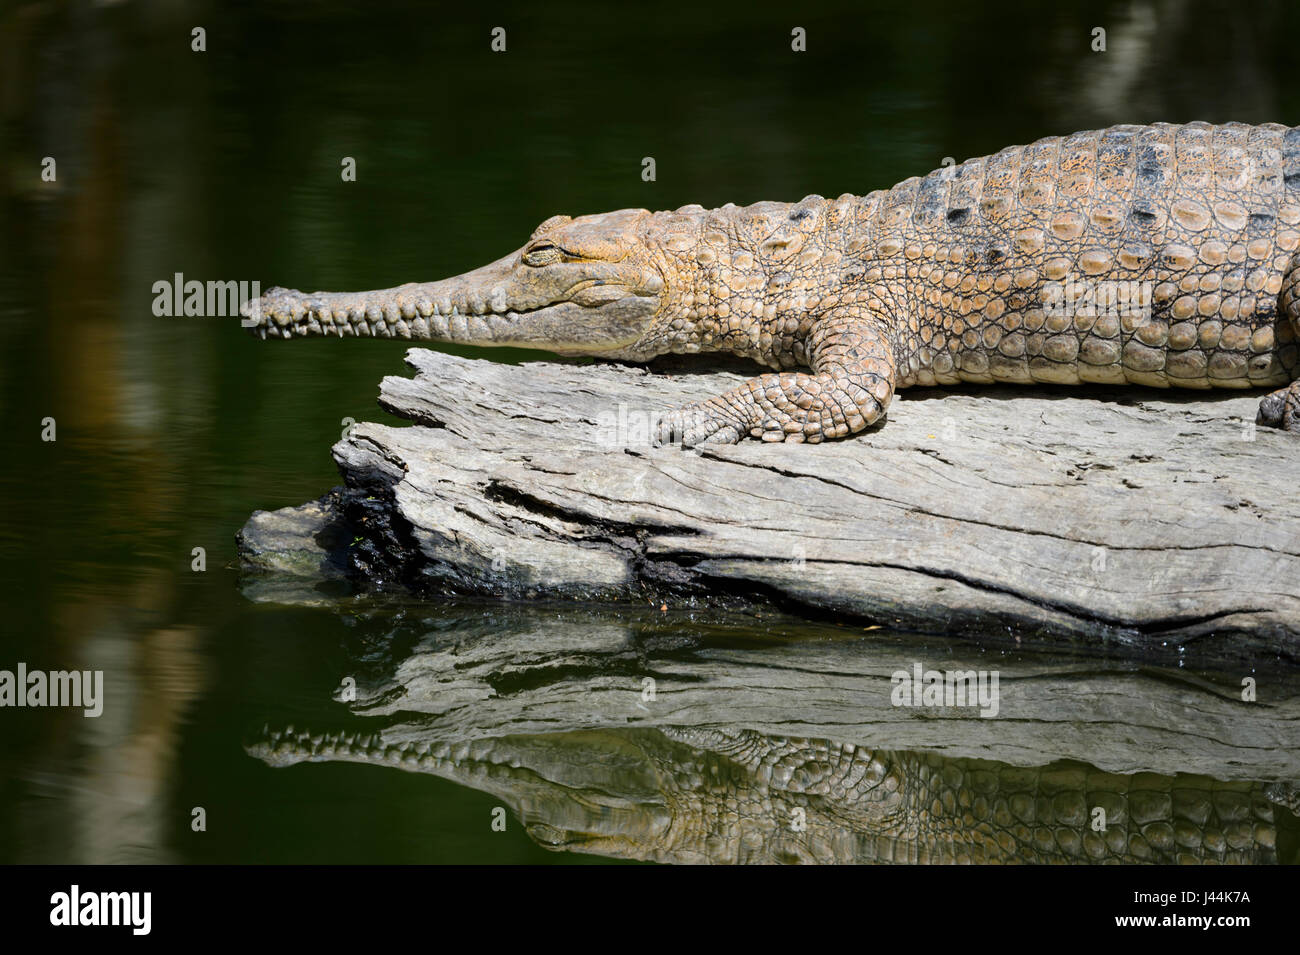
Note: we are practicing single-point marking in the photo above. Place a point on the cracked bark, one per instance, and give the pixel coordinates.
(1127, 518)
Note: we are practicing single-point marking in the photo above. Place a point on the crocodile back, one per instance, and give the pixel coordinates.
(1152, 255)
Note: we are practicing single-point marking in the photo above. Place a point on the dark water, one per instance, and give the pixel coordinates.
(225, 164)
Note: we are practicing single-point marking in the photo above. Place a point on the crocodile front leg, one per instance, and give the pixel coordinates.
(850, 387)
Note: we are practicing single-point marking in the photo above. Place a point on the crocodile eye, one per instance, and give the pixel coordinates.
(542, 252)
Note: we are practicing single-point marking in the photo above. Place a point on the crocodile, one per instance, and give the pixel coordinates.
(1161, 255)
(734, 795)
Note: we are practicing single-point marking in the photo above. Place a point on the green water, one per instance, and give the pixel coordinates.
(225, 164)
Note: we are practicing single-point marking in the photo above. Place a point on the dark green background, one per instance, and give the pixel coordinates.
(225, 165)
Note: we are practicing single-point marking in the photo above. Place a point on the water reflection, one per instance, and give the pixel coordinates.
(690, 795)
(677, 742)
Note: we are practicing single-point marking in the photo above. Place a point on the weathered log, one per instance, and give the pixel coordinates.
(1145, 521)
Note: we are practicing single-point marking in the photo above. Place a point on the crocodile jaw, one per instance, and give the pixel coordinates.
(565, 328)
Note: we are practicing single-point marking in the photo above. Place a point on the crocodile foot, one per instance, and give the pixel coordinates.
(701, 423)
(1281, 409)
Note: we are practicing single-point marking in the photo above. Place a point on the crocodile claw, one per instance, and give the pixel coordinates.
(696, 425)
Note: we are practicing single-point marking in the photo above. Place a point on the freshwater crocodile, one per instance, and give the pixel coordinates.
(677, 794)
(1162, 255)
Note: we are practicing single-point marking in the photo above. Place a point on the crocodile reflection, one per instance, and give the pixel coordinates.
(693, 795)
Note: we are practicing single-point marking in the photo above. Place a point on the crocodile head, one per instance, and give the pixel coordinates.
(586, 286)
(587, 791)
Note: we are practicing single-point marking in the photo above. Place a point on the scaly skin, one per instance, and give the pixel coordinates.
(1155, 255)
(728, 796)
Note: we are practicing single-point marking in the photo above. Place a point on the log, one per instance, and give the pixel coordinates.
(1138, 521)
